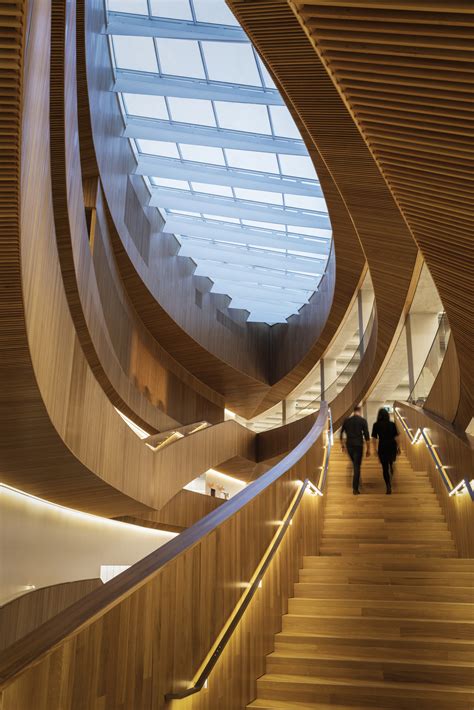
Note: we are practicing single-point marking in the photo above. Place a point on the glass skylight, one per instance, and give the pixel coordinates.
(220, 153)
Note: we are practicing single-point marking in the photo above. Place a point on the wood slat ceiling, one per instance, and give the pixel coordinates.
(385, 238)
(405, 70)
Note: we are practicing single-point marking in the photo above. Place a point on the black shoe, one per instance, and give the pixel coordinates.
(389, 492)
(356, 493)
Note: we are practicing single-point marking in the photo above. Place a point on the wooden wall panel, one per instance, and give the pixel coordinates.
(21, 616)
(443, 399)
(456, 452)
(146, 632)
(61, 438)
(75, 254)
(182, 511)
(386, 241)
(405, 71)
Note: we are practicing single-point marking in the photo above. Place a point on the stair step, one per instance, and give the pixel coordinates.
(354, 626)
(388, 563)
(374, 694)
(375, 668)
(400, 592)
(434, 649)
(382, 608)
(354, 575)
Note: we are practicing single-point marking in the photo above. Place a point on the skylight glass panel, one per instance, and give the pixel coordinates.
(212, 189)
(134, 6)
(137, 53)
(168, 182)
(283, 124)
(252, 160)
(310, 231)
(214, 11)
(306, 203)
(268, 81)
(269, 269)
(231, 62)
(147, 106)
(243, 117)
(202, 154)
(161, 148)
(273, 198)
(175, 9)
(180, 57)
(192, 111)
(218, 218)
(297, 165)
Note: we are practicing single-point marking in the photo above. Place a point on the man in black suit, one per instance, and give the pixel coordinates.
(356, 430)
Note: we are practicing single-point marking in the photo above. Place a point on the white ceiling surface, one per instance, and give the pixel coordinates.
(259, 207)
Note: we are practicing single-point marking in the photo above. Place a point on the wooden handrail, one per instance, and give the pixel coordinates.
(224, 637)
(33, 647)
(422, 434)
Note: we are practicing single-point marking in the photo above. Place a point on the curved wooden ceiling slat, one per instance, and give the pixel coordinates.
(386, 240)
(414, 108)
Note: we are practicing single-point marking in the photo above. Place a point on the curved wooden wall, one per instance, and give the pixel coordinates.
(61, 438)
(166, 610)
(405, 71)
(443, 399)
(247, 363)
(21, 616)
(386, 241)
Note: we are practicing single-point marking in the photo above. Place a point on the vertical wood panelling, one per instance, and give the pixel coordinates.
(146, 632)
(455, 451)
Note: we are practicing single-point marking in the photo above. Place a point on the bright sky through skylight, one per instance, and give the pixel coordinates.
(221, 155)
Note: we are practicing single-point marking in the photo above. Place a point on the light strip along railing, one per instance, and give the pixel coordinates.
(422, 434)
(36, 647)
(200, 678)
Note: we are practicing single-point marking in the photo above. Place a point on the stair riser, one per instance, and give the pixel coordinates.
(379, 627)
(373, 698)
(395, 649)
(426, 593)
(390, 671)
(389, 563)
(382, 609)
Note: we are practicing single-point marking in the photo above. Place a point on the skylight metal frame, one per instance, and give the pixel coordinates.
(278, 240)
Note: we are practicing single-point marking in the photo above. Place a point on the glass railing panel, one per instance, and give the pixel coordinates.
(432, 364)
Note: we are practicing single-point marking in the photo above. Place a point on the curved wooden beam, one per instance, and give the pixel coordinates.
(411, 97)
(386, 240)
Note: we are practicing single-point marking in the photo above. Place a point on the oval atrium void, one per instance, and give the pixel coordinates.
(219, 152)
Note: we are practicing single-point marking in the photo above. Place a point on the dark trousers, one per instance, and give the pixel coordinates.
(386, 459)
(355, 455)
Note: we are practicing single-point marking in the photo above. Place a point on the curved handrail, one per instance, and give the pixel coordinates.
(432, 363)
(422, 434)
(224, 637)
(50, 635)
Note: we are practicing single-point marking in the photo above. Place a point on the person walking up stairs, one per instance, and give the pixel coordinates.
(384, 617)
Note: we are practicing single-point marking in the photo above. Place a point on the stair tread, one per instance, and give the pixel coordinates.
(354, 682)
(367, 659)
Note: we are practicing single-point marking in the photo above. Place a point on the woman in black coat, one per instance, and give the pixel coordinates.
(386, 432)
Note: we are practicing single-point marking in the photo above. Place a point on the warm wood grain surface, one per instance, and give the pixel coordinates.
(21, 616)
(405, 73)
(165, 611)
(456, 452)
(384, 236)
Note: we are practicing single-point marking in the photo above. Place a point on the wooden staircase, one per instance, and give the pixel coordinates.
(384, 617)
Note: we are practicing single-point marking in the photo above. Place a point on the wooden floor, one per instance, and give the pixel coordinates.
(384, 617)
